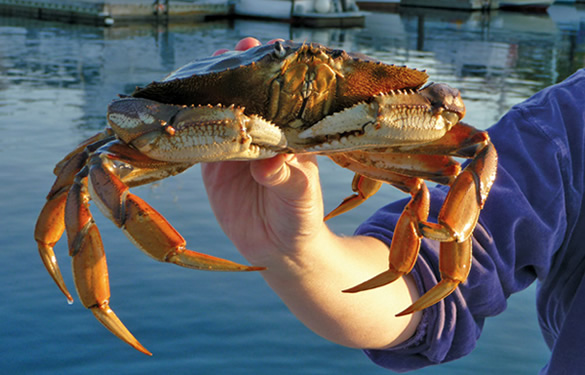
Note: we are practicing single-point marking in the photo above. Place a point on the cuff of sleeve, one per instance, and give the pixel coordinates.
(421, 349)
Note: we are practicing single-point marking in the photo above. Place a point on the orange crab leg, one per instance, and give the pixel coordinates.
(98, 138)
(143, 225)
(48, 231)
(51, 222)
(397, 169)
(454, 264)
(90, 270)
(437, 168)
(363, 187)
(406, 241)
(457, 219)
(460, 211)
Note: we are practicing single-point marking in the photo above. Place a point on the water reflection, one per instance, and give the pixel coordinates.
(55, 83)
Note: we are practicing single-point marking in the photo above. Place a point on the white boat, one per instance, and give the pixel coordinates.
(329, 13)
(526, 4)
(452, 4)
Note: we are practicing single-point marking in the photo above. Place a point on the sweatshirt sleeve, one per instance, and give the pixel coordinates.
(528, 216)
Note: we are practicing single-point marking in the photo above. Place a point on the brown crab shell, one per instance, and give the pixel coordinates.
(245, 79)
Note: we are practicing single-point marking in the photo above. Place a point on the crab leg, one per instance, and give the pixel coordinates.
(454, 265)
(143, 225)
(406, 241)
(140, 222)
(363, 187)
(456, 221)
(460, 211)
(49, 228)
(90, 270)
(96, 139)
(462, 140)
(394, 168)
(51, 222)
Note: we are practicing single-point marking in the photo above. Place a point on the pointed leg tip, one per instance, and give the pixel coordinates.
(336, 212)
(438, 293)
(199, 261)
(355, 289)
(142, 349)
(407, 311)
(50, 263)
(330, 215)
(254, 268)
(105, 315)
(65, 292)
(377, 281)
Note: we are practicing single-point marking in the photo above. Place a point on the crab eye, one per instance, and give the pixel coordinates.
(279, 50)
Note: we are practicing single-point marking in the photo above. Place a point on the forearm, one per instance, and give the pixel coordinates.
(311, 286)
(279, 224)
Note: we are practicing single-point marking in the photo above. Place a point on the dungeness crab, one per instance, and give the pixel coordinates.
(375, 119)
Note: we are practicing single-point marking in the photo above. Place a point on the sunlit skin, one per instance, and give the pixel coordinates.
(272, 210)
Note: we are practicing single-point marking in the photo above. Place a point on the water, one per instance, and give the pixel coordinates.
(55, 82)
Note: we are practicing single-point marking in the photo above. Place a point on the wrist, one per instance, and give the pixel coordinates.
(311, 286)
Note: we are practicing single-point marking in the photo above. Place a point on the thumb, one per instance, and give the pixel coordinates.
(290, 176)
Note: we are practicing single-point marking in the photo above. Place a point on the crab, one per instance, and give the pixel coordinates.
(378, 120)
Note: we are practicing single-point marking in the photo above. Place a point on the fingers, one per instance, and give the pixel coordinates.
(220, 51)
(245, 44)
(292, 177)
(242, 45)
(271, 172)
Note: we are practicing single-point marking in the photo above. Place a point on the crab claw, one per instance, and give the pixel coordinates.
(178, 133)
(392, 119)
(454, 264)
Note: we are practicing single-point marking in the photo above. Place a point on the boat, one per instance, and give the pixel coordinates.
(452, 4)
(378, 4)
(526, 5)
(521, 5)
(314, 13)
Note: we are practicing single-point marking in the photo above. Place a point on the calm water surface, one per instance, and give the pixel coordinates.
(55, 83)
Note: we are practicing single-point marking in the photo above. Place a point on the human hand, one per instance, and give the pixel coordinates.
(270, 208)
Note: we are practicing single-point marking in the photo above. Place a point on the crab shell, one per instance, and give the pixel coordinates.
(290, 84)
(295, 86)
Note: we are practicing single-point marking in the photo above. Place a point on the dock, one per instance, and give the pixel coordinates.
(106, 12)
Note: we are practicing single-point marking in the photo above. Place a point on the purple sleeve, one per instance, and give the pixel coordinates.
(525, 229)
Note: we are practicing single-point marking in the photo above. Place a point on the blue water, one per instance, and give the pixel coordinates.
(55, 82)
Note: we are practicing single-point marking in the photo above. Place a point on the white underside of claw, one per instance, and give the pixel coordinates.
(389, 120)
(211, 133)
